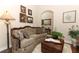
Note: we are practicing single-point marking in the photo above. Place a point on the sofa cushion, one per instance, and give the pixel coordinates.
(25, 34)
(30, 31)
(15, 34)
(18, 34)
(21, 35)
(38, 36)
(39, 30)
(26, 42)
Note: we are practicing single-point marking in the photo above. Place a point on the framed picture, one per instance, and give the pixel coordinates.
(29, 19)
(23, 9)
(23, 18)
(29, 12)
(46, 22)
(69, 17)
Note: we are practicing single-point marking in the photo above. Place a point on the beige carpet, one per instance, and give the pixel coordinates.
(66, 49)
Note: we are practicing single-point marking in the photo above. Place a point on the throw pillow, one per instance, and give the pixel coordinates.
(21, 35)
(15, 34)
(25, 34)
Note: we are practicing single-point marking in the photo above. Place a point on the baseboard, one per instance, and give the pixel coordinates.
(7, 51)
(4, 48)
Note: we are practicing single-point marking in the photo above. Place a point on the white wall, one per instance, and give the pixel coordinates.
(58, 17)
(14, 8)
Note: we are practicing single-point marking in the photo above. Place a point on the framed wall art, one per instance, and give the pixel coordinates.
(29, 19)
(69, 17)
(29, 12)
(23, 9)
(23, 18)
(46, 22)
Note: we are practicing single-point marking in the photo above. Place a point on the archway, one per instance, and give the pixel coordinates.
(47, 19)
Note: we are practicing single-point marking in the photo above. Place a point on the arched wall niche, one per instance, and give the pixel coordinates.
(47, 16)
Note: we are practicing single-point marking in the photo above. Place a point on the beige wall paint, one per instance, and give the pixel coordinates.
(14, 8)
(58, 18)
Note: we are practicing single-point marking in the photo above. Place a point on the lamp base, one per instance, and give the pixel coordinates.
(7, 25)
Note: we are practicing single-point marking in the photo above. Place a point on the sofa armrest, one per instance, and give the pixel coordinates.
(15, 44)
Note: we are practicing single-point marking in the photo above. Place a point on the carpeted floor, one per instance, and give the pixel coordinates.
(66, 49)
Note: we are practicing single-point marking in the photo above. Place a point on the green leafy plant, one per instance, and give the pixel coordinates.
(56, 35)
(73, 31)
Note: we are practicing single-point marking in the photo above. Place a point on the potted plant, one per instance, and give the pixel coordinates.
(56, 35)
(74, 33)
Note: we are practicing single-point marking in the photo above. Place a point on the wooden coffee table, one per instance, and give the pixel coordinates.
(51, 47)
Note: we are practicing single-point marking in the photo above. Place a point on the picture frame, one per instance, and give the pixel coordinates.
(69, 16)
(29, 12)
(23, 9)
(29, 19)
(46, 21)
(23, 17)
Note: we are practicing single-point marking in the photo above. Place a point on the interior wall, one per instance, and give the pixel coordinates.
(14, 8)
(58, 18)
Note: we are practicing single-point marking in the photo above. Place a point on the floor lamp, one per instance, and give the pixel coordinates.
(7, 17)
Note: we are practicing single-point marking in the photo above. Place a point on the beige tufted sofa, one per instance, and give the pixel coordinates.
(33, 36)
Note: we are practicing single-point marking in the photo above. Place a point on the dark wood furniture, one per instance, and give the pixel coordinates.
(52, 47)
(75, 49)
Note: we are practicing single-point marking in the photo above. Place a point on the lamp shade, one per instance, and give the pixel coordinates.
(6, 16)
